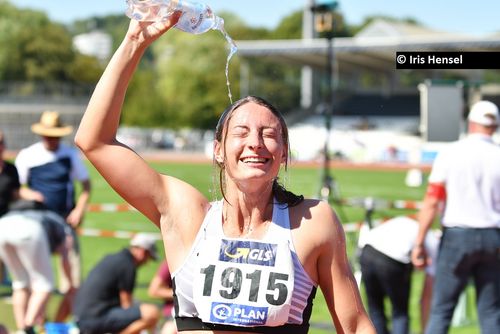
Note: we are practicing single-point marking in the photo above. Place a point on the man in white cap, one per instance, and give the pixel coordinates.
(48, 171)
(465, 178)
(104, 303)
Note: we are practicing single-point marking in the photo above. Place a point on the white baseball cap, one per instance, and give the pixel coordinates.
(145, 241)
(484, 113)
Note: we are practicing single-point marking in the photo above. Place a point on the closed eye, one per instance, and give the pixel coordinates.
(239, 131)
(270, 133)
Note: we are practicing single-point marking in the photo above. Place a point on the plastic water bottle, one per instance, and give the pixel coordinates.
(196, 18)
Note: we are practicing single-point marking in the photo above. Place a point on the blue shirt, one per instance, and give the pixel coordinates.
(52, 173)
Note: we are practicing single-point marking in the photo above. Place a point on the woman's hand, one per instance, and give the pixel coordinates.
(147, 32)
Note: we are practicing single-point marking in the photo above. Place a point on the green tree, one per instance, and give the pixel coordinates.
(290, 27)
(277, 82)
(84, 69)
(143, 105)
(491, 76)
(185, 84)
(40, 50)
(14, 24)
(192, 77)
(46, 54)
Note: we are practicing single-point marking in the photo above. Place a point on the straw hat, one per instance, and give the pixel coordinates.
(50, 125)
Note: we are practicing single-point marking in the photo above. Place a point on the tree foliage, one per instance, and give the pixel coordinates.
(191, 73)
(290, 27)
(39, 50)
(143, 106)
(192, 78)
(180, 81)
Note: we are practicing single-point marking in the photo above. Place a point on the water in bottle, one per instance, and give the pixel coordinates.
(196, 18)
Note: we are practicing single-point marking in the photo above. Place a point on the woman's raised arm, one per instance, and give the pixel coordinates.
(138, 183)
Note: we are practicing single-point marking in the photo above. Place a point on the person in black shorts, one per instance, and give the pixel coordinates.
(104, 303)
(9, 191)
(9, 180)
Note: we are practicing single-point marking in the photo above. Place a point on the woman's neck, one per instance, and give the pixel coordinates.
(243, 217)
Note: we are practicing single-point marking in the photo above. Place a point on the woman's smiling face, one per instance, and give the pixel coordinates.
(253, 147)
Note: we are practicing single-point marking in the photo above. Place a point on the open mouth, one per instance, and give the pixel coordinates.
(254, 160)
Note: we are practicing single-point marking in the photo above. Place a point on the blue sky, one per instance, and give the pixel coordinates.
(468, 17)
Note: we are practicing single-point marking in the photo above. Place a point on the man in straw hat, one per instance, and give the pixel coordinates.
(47, 172)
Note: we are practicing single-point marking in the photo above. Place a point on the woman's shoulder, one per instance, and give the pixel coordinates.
(313, 214)
(311, 207)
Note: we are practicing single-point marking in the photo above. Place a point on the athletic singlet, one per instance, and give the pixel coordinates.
(245, 285)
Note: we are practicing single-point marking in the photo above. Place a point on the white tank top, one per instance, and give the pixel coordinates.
(242, 283)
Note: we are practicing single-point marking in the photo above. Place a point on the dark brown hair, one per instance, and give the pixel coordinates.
(281, 195)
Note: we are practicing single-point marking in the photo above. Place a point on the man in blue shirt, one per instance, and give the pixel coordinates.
(47, 171)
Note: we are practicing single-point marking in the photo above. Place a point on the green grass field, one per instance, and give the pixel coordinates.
(305, 180)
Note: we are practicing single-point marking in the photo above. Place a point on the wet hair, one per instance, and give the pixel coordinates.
(282, 195)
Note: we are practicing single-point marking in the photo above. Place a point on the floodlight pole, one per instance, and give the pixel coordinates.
(327, 181)
(324, 24)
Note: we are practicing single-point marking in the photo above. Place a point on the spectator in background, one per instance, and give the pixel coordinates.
(47, 172)
(386, 271)
(104, 303)
(466, 178)
(9, 180)
(28, 237)
(9, 190)
(161, 287)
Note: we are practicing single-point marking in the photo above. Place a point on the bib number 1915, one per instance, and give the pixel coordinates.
(231, 282)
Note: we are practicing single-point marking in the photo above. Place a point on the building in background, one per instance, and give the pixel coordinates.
(95, 43)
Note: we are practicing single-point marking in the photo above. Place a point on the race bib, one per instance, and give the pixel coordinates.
(243, 283)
